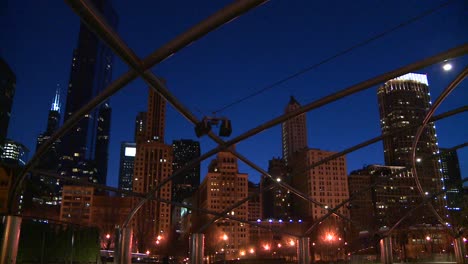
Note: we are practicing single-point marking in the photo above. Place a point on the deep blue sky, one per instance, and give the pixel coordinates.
(255, 50)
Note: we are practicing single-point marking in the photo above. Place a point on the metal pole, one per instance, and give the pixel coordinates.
(303, 250)
(460, 251)
(197, 248)
(10, 238)
(386, 256)
(126, 246)
(117, 245)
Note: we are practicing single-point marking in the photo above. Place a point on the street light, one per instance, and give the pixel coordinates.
(225, 238)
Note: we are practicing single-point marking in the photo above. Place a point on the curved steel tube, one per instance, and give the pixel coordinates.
(91, 17)
(455, 52)
(142, 195)
(211, 23)
(419, 132)
(323, 101)
(425, 200)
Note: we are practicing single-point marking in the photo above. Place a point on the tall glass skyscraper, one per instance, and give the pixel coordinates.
(405, 101)
(185, 150)
(85, 147)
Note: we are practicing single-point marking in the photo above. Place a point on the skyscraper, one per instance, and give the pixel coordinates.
(326, 183)
(294, 131)
(49, 161)
(405, 101)
(221, 188)
(7, 92)
(85, 147)
(452, 179)
(126, 168)
(47, 189)
(153, 164)
(185, 150)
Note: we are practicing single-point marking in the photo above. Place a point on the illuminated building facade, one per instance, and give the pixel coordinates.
(7, 92)
(405, 101)
(294, 131)
(221, 188)
(91, 72)
(391, 197)
(255, 204)
(126, 168)
(14, 153)
(326, 183)
(76, 204)
(153, 164)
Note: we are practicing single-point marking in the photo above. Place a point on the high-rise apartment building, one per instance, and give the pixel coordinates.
(276, 203)
(7, 92)
(153, 164)
(452, 179)
(91, 71)
(326, 183)
(126, 168)
(294, 131)
(405, 101)
(221, 188)
(393, 194)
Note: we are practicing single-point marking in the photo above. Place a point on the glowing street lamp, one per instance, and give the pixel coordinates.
(330, 237)
(108, 236)
(147, 252)
(251, 251)
(225, 237)
(428, 238)
(266, 247)
(292, 243)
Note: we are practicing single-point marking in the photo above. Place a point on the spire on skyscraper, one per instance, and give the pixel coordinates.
(293, 100)
(56, 104)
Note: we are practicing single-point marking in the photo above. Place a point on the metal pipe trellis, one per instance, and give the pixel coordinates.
(419, 132)
(98, 24)
(211, 23)
(408, 168)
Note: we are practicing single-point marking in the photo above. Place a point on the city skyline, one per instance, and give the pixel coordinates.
(329, 128)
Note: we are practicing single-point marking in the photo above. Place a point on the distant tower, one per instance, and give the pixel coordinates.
(53, 122)
(7, 92)
(405, 101)
(49, 187)
(294, 131)
(452, 179)
(153, 164)
(185, 150)
(126, 169)
(85, 147)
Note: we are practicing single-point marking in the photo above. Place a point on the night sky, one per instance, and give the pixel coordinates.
(265, 45)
